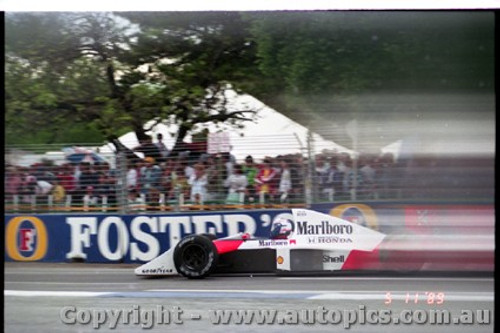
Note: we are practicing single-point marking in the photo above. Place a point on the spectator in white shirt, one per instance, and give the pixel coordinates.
(198, 182)
(285, 185)
(132, 176)
(237, 183)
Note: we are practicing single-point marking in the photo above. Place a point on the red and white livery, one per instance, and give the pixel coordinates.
(312, 241)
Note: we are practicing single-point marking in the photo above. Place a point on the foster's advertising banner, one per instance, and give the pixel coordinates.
(119, 238)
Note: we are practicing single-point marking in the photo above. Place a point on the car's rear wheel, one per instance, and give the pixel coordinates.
(195, 257)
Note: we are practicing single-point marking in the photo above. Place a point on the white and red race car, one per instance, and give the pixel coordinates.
(317, 242)
(312, 241)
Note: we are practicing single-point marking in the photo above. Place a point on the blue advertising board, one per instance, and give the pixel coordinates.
(120, 238)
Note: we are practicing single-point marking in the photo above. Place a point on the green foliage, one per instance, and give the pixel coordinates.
(98, 75)
(115, 72)
(316, 63)
(338, 52)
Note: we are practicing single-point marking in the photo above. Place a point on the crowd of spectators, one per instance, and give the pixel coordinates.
(218, 178)
(203, 179)
(373, 177)
(84, 183)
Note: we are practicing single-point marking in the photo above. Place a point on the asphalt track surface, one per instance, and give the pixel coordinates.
(38, 297)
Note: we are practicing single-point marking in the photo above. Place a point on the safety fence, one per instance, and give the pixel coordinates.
(44, 178)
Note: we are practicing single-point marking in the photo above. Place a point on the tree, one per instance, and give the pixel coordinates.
(116, 74)
(43, 80)
(199, 57)
(112, 72)
(327, 68)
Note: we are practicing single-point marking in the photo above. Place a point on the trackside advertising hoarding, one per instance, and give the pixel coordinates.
(102, 238)
(120, 238)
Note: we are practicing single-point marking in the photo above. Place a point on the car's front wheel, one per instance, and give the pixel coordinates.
(195, 257)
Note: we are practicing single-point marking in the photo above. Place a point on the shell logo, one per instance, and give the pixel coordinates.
(280, 260)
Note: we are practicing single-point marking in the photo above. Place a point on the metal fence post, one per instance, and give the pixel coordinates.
(121, 195)
(353, 132)
(309, 189)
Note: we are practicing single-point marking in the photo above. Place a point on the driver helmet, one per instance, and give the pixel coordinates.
(281, 228)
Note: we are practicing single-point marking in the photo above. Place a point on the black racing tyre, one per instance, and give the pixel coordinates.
(195, 257)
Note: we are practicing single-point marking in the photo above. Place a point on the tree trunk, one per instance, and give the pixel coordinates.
(120, 147)
(141, 134)
(179, 141)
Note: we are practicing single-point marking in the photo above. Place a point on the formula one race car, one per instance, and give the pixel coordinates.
(312, 241)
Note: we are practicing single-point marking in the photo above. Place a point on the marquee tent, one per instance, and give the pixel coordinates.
(269, 134)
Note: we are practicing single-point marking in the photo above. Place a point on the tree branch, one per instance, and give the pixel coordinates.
(223, 116)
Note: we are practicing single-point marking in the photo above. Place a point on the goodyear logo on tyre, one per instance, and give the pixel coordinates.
(356, 213)
(26, 238)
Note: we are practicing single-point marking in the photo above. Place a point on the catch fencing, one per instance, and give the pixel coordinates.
(52, 178)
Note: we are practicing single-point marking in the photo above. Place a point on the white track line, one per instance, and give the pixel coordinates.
(344, 294)
(273, 294)
(449, 296)
(34, 293)
(66, 272)
(247, 291)
(68, 283)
